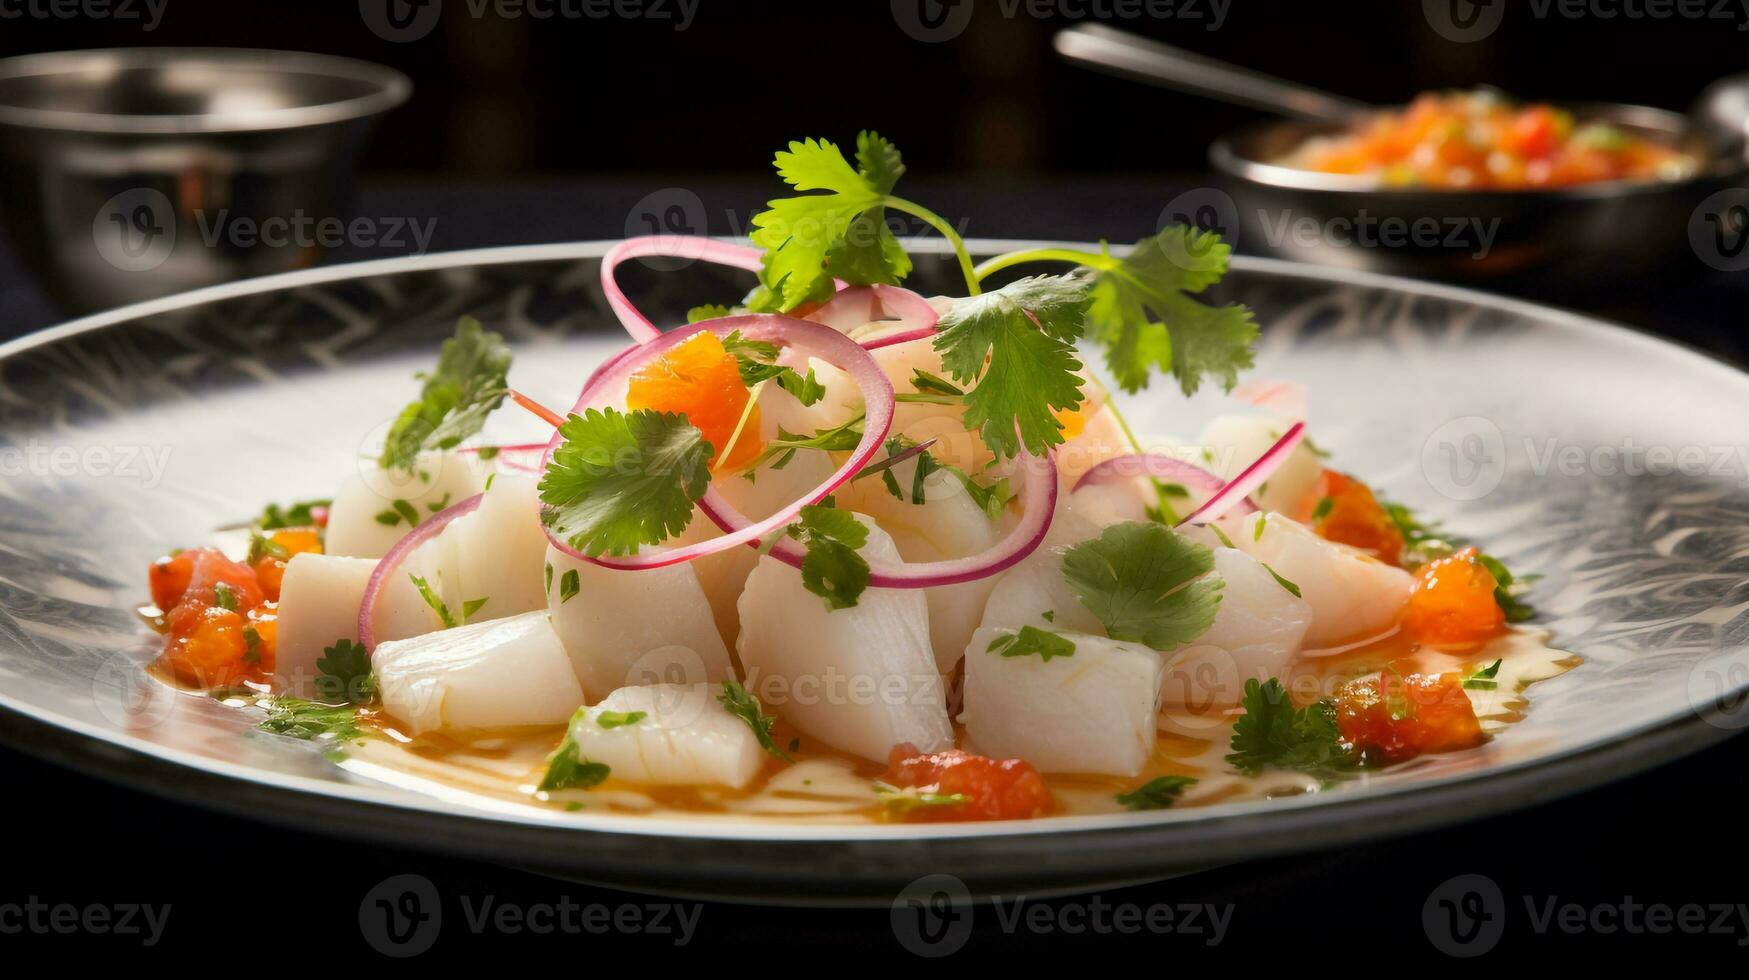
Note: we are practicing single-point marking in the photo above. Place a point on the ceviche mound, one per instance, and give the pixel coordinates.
(841, 552)
(1482, 140)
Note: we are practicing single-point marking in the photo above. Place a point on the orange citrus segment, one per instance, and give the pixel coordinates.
(1453, 604)
(701, 380)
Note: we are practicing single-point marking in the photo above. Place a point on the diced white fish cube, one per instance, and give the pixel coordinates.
(685, 737)
(624, 628)
(1089, 712)
(947, 525)
(496, 553)
(319, 599)
(1352, 595)
(1256, 634)
(861, 679)
(501, 673)
(365, 522)
(1026, 593)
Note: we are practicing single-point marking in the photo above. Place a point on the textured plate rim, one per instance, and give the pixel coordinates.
(1430, 802)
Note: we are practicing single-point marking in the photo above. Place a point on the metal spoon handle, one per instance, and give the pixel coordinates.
(1121, 53)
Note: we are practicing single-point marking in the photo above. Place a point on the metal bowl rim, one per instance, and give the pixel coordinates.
(391, 88)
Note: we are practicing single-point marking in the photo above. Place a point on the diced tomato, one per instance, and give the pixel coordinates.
(701, 380)
(1355, 517)
(218, 622)
(1393, 717)
(202, 570)
(207, 647)
(1008, 789)
(270, 569)
(1452, 603)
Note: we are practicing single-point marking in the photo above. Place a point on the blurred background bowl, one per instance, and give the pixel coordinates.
(1586, 239)
(128, 174)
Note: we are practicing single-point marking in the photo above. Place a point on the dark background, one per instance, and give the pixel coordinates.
(525, 130)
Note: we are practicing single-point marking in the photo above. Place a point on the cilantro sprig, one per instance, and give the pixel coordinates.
(470, 381)
(831, 568)
(743, 704)
(567, 768)
(1156, 794)
(1031, 640)
(1145, 583)
(1275, 733)
(621, 480)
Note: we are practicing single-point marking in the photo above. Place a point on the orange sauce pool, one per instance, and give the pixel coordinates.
(502, 769)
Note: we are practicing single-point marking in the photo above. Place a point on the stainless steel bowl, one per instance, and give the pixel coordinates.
(125, 174)
(1589, 239)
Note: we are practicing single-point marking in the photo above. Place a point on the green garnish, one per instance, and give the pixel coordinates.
(449, 619)
(1424, 543)
(832, 569)
(566, 767)
(1325, 506)
(300, 514)
(549, 578)
(842, 437)
(251, 645)
(1029, 640)
(1273, 733)
(343, 674)
(1156, 794)
(310, 720)
(756, 361)
(709, 311)
(900, 802)
(1293, 589)
(1222, 535)
(1145, 584)
(620, 719)
(1484, 678)
(620, 480)
(399, 510)
(742, 703)
(812, 238)
(570, 584)
(471, 380)
(225, 597)
(471, 606)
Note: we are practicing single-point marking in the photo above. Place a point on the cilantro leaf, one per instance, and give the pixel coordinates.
(1141, 310)
(756, 361)
(566, 767)
(624, 479)
(1145, 583)
(1273, 732)
(343, 674)
(810, 238)
(1023, 363)
(742, 703)
(310, 720)
(620, 719)
(436, 603)
(471, 380)
(840, 438)
(1156, 794)
(1483, 679)
(901, 803)
(709, 311)
(300, 514)
(1030, 640)
(832, 569)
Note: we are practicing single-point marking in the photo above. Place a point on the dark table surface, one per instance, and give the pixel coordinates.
(1608, 864)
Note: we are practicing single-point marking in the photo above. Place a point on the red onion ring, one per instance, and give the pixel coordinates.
(427, 530)
(811, 339)
(666, 246)
(1287, 397)
(1149, 464)
(911, 315)
(1249, 479)
(523, 458)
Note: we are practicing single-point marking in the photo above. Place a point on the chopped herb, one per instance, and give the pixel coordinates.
(1424, 543)
(1049, 615)
(1483, 679)
(929, 383)
(437, 506)
(300, 514)
(225, 597)
(1325, 506)
(901, 802)
(1222, 535)
(840, 438)
(620, 480)
(470, 381)
(1274, 733)
(832, 569)
(549, 578)
(310, 720)
(1258, 526)
(1156, 794)
(566, 767)
(1145, 583)
(472, 606)
(620, 719)
(1030, 640)
(709, 311)
(488, 454)
(436, 603)
(251, 645)
(756, 360)
(569, 585)
(742, 703)
(343, 674)
(1293, 589)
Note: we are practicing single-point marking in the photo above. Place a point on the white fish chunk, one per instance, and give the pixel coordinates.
(1089, 712)
(319, 600)
(501, 673)
(496, 552)
(629, 628)
(1236, 441)
(947, 525)
(1256, 634)
(685, 737)
(440, 479)
(1025, 593)
(861, 679)
(1352, 595)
